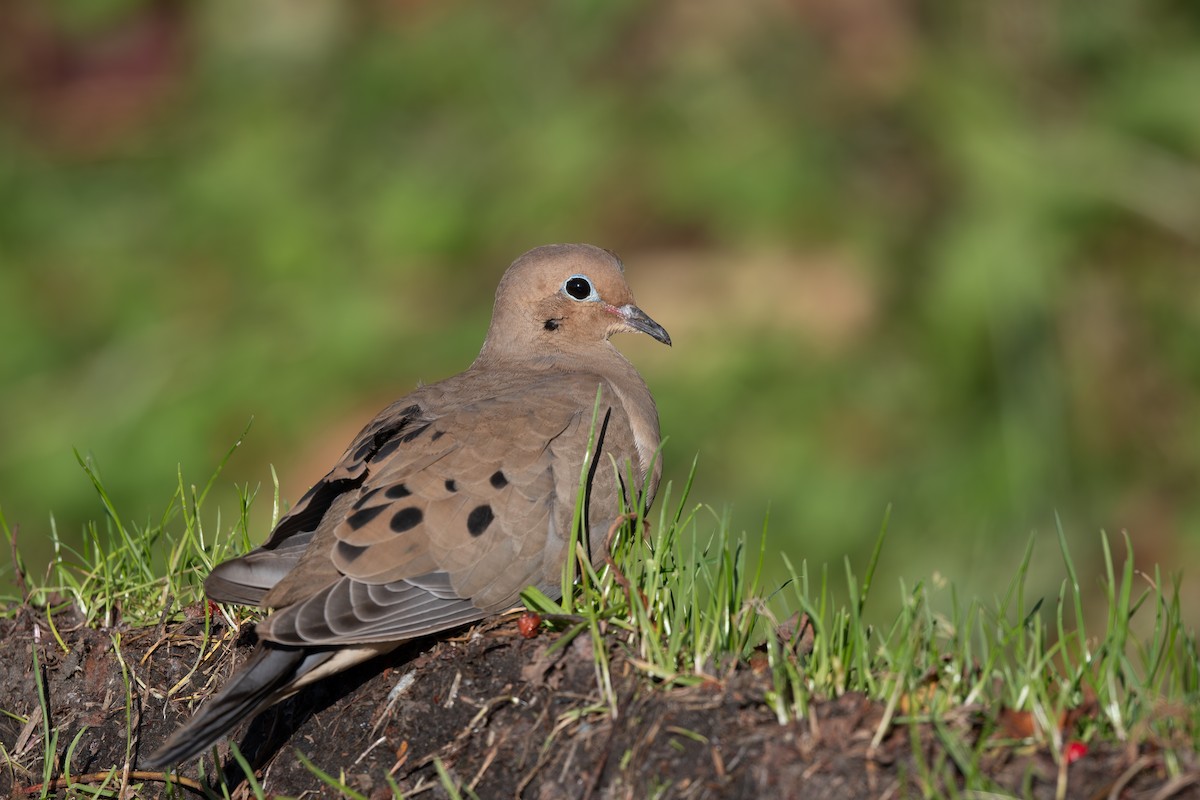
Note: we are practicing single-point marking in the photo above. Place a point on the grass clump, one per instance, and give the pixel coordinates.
(135, 573)
(684, 610)
(1019, 673)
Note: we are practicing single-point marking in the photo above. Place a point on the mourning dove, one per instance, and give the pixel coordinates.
(456, 497)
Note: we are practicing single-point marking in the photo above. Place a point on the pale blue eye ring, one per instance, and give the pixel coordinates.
(578, 287)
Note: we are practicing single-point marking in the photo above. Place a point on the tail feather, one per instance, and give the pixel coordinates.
(273, 672)
(266, 678)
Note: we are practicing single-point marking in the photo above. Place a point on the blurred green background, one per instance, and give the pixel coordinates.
(939, 255)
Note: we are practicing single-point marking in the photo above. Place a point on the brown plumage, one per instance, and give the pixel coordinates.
(456, 497)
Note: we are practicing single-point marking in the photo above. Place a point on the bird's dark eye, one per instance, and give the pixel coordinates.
(579, 287)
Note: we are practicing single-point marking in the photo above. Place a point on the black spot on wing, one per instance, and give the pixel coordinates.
(386, 450)
(414, 433)
(397, 492)
(366, 499)
(437, 435)
(365, 449)
(498, 480)
(394, 443)
(316, 502)
(479, 519)
(369, 449)
(451, 486)
(348, 553)
(364, 516)
(387, 440)
(406, 519)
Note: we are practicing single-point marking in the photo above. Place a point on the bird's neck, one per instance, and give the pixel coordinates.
(604, 361)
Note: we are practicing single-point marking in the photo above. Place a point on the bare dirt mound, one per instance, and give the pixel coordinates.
(506, 718)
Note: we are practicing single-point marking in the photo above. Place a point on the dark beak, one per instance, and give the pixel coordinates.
(638, 320)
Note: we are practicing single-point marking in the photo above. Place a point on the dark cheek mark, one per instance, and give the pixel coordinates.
(451, 486)
(406, 519)
(361, 518)
(498, 480)
(479, 519)
(396, 492)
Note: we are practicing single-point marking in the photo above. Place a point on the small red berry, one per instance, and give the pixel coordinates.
(1076, 751)
(528, 624)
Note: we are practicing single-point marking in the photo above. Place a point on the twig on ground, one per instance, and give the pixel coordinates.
(101, 777)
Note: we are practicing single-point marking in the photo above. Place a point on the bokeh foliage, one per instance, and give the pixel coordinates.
(933, 254)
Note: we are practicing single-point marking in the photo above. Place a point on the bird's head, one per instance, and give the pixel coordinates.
(564, 298)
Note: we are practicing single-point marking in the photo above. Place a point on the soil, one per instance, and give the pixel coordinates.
(506, 716)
